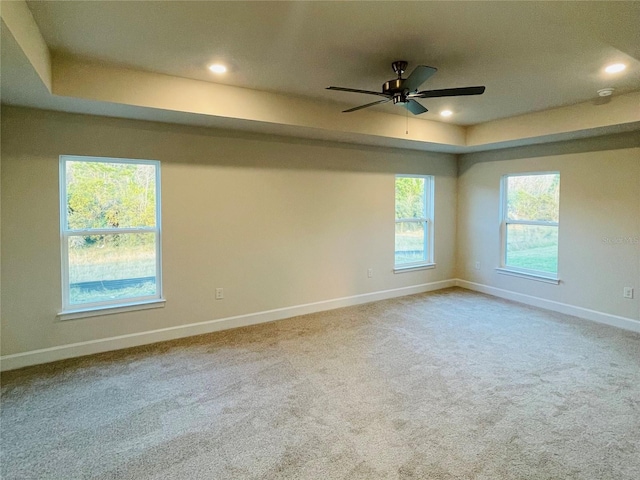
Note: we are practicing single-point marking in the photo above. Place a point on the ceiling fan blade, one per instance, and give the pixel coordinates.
(418, 77)
(355, 90)
(367, 105)
(449, 92)
(415, 107)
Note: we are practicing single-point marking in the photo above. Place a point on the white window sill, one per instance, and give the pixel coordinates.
(411, 268)
(109, 309)
(531, 276)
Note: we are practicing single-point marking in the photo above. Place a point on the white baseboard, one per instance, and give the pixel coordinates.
(46, 355)
(587, 314)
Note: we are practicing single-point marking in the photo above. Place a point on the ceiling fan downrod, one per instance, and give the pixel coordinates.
(399, 66)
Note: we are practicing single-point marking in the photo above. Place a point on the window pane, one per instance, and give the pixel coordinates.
(533, 246)
(110, 195)
(410, 245)
(111, 267)
(533, 197)
(410, 198)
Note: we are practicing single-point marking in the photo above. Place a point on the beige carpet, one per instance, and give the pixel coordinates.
(446, 385)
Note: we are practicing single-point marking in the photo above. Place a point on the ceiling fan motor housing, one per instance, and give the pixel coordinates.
(395, 89)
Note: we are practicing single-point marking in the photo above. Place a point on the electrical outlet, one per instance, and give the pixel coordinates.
(370, 272)
(219, 293)
(477, 265)
(627, 292)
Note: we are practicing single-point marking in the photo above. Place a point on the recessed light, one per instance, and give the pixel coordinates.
(615, 68)
(446, 113)
(217, 68)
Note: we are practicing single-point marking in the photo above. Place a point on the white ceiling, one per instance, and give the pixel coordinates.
(531, 56)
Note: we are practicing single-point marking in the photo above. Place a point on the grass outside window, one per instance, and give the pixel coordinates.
(530, 223)
(110, 229)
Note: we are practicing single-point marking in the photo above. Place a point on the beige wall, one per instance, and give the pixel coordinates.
(276, 222)
(599, 198)
(279, 222)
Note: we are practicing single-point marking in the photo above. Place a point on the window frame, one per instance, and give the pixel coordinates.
(427, 222)
(539, 275)
(70, 311)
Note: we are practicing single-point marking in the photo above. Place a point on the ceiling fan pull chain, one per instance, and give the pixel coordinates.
(407, 117)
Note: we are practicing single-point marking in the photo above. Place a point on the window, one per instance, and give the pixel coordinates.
(530, 214)
(110, 232)
(414, 221)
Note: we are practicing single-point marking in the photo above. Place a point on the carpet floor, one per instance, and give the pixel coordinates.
(446, 385)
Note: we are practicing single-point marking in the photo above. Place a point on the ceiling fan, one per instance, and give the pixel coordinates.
(405, 90)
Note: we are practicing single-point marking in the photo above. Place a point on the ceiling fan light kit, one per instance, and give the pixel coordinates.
(404, 90)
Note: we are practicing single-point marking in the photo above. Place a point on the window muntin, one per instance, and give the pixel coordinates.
(414, 220)
(110, 232)
(530, 219)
